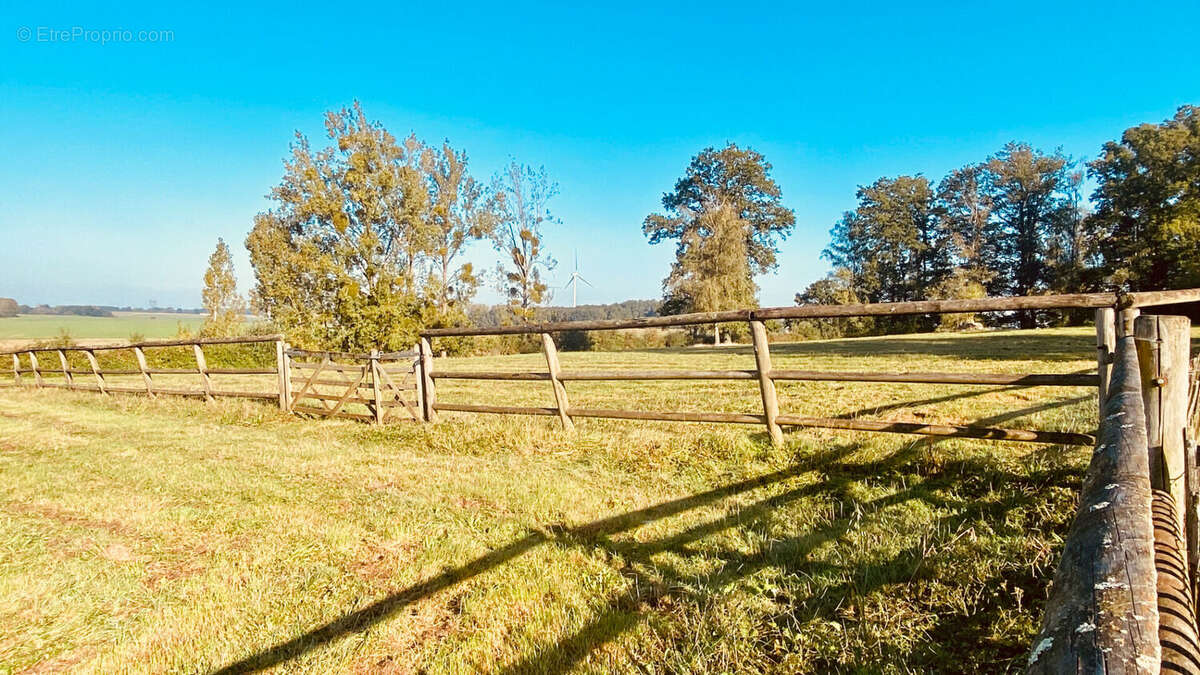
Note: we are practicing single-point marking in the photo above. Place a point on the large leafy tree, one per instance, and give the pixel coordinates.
(519, 203)
(1027, 196)
(225, 308)
(893, 242)
(730, 179)
(713, 271)
(1148, 204)
(335, 258)
(965, 207)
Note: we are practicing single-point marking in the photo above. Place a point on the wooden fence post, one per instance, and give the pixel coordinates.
(17, 369)
(428, 393)
(766, 385)
(141, 361)
(377, 395)
(91, 357)
(282, 373)
(1106, 345)
(66, 369)
(560, 391)
(202, 368)
(37, 373)
(1163, 346)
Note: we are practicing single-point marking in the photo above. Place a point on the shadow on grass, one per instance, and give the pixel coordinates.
(974, 481)
(1000, 346)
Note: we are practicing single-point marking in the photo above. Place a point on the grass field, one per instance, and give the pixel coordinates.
(178, 536)
(121, 325)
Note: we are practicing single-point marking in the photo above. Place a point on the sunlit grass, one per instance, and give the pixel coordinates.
(179, 536)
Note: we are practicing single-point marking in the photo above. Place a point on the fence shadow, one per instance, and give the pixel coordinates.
(622, 612)
(986, 346)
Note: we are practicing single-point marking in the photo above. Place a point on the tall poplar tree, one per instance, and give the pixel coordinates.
(520, 205)
(224, 307)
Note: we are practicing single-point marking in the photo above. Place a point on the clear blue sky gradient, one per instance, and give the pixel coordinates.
(123, 163)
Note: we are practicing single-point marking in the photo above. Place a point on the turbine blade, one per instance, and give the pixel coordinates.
(586, 281)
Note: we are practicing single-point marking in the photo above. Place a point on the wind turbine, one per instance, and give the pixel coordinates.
(576, 277)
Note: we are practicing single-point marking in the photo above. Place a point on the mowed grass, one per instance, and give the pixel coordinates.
(179, 536)
(121, 325)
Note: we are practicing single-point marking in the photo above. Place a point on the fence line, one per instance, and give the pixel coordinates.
(767, 376)
(104, 386)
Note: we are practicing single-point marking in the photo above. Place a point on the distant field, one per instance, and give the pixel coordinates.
(179, 536)
(122, 325)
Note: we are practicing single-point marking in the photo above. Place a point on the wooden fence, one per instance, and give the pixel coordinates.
(1123, 598)
(384, 384)
(27, 368)
(770, 415)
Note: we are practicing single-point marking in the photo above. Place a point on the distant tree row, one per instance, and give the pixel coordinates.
(486, 316)
(364, 243)
(1017, 223)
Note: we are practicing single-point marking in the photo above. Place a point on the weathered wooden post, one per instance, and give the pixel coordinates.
(17, 369)
(766, 385)
(281, 373)
(141, 361)
(376, 394)
(1102, 613)
(66, 369)
(560, 391)
(428, 394)
(202, 368)
(37, 373)
(1163, 346)
(1106, 343)
(91, 357)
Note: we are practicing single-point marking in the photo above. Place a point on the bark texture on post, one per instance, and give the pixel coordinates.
(202, 368)
(560, 391)
(37, 373)
(282, 374)
(428, 393)
(376, 394)
(17, 369)
(1102, 613)
(91, 357)
(141, 361)
(66, 369)
(1106, 342)
(766, 385)
(1163, 345)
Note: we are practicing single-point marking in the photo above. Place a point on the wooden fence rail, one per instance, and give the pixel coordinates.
(382, 383)
(104, 385)
(766, 376)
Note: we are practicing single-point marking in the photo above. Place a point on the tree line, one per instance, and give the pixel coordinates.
(1017, 223)
(363, 244)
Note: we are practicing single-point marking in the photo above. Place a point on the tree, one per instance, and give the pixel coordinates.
(335, 260)
(712, 271)
(8, 308)
(966, 209)
(836, 288)
(457, 216)
(1027, 201)
(893, 243)
(727, 178)
(519, 202)
(225, 307)
(1148, 204)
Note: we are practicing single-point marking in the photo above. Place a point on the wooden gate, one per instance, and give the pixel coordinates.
(373, 387)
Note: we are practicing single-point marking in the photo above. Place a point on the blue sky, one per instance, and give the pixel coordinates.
(125, 161)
